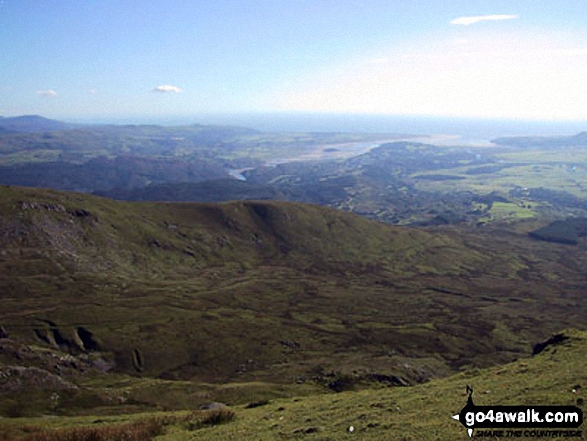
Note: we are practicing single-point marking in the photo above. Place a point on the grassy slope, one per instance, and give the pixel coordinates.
(127, 270)
(275, 292)
(417, 413)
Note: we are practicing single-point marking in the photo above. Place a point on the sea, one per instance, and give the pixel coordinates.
(454, 130)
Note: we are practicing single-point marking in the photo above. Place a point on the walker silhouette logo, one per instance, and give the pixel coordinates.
(520, 420)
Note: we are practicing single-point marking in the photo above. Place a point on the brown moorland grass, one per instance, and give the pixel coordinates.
(279, 294)
(143, 429)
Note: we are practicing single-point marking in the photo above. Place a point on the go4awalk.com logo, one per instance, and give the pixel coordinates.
(518, 421)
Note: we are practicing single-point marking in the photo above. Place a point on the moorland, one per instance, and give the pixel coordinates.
(340, 279)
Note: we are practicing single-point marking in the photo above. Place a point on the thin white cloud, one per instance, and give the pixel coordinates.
(575, 52)
(92, 91)
(50, 93)
(167, 88)
(466, 21)
(493, 76)
(380, 60)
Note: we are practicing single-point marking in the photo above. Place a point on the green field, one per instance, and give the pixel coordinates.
(527, 169)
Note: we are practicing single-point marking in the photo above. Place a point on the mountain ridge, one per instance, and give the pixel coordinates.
(577, 140)
(34, 123)
(273, 291)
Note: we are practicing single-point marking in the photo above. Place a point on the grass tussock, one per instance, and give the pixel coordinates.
(144, 429)
(218, 416)
(199, 420)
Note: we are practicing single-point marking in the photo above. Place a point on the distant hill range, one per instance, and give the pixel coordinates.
(102, 173)
(578, 140)
(33, 123)
(39, 152)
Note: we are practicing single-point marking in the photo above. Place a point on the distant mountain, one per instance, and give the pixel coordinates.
(32, 123)
(100, 174)
(580, 139)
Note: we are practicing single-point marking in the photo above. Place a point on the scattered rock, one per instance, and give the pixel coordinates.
(390, 380)
(155, 243)
(36, 206)
(80, 212)
(290, 344)
(102, 365)
(20, 378)
(188, 252)
(257, 404)
(212, 406)
(308, 430)
(341, 384)
(554, 340)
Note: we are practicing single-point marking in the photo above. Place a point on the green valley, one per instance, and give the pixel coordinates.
(248, 300)
(342, 280)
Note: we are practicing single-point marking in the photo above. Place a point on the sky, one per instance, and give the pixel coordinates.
(523, 59)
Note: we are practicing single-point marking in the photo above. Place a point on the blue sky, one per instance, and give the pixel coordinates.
(495, 59)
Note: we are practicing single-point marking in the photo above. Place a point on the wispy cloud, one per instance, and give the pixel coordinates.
(380, 60)
(50, 93)
(92, 91)
(167, 88)
(509, 75)
(477, 18)
(575, 51)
